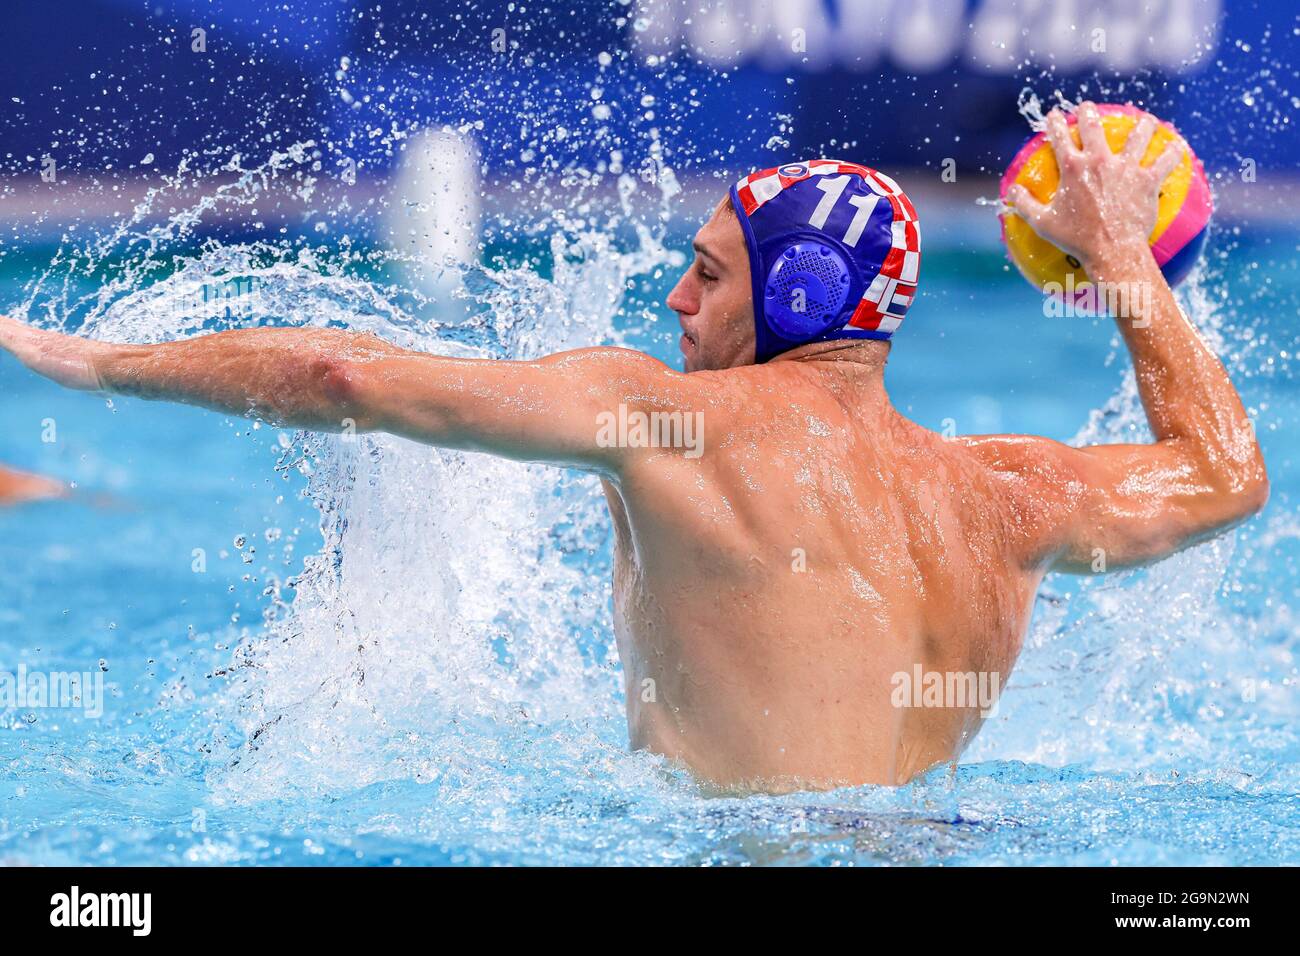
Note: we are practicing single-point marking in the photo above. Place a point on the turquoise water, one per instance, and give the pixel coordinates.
(319, 651)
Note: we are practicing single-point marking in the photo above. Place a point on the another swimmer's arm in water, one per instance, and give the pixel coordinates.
(18, 486)
(549, 410)
(1112, 506)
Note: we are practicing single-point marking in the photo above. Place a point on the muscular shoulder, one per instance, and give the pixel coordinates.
(619, 382)
(616, 369)
(1038, 479)
(738, 425)
(1027, 461)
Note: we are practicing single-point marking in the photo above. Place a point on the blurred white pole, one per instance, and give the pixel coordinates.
(435, 207)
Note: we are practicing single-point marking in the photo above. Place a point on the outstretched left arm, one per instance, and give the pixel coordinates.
(327, 380)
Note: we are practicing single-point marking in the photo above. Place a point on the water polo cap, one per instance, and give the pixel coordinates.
(834, 253)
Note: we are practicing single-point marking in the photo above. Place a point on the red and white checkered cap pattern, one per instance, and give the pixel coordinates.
(887, 298)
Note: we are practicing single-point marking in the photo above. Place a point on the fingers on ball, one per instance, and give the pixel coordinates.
(1169, 160)
(1140, 139)
(1091, 132)
(1058, 134)
(1025, 205)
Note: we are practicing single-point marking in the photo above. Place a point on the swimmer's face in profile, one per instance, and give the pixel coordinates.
(714, 298)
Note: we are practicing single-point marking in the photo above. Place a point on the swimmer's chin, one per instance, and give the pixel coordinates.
(689, 349)
(696, 360)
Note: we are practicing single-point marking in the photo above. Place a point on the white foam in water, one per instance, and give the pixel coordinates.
(385, 667)
(460, 601)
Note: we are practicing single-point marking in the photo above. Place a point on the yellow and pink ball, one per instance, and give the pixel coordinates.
(1183, 214)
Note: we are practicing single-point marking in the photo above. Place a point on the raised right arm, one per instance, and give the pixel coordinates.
(1204, 473)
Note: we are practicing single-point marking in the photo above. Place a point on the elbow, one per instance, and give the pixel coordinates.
(1244, 493)
(338, 382)
(1254, 494)
(334, 379)
(1253, 487)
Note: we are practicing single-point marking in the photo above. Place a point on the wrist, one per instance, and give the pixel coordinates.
(1117, 259)
(109, 369)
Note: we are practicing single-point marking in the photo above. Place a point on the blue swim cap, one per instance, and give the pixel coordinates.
(834, 253)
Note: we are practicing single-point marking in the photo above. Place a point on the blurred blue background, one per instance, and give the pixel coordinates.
(98, 82)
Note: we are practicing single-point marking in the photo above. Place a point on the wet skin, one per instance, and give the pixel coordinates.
(768, 588)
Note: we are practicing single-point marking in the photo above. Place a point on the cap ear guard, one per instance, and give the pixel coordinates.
(810, 289)
(805, 291)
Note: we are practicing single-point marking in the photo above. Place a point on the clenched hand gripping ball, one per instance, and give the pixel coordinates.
(1181, 219)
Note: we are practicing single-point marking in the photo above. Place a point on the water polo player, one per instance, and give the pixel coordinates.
(769, 590)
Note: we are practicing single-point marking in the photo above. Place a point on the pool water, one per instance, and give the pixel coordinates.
(323, 650)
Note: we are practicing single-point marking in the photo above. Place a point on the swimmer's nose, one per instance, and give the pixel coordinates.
(682, 299)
